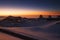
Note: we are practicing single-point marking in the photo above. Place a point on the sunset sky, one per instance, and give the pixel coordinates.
(29, 7)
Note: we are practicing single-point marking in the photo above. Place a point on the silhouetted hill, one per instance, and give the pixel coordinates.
(12, 21)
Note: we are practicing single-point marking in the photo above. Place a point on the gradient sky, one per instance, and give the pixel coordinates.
(29, 7)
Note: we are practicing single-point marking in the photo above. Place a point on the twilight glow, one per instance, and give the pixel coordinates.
(29, 7)
(17, 12)
(20, 11)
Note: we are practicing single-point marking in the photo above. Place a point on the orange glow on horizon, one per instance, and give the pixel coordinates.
(20, 12)
(17, 12)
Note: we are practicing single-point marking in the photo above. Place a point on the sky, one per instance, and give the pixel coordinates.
(29, 7)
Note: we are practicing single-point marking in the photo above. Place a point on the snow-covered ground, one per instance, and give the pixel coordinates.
(34, 32)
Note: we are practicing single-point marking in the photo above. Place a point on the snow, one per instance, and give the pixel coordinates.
(37, 32)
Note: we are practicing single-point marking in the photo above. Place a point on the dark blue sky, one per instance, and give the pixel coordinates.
(33, 4)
